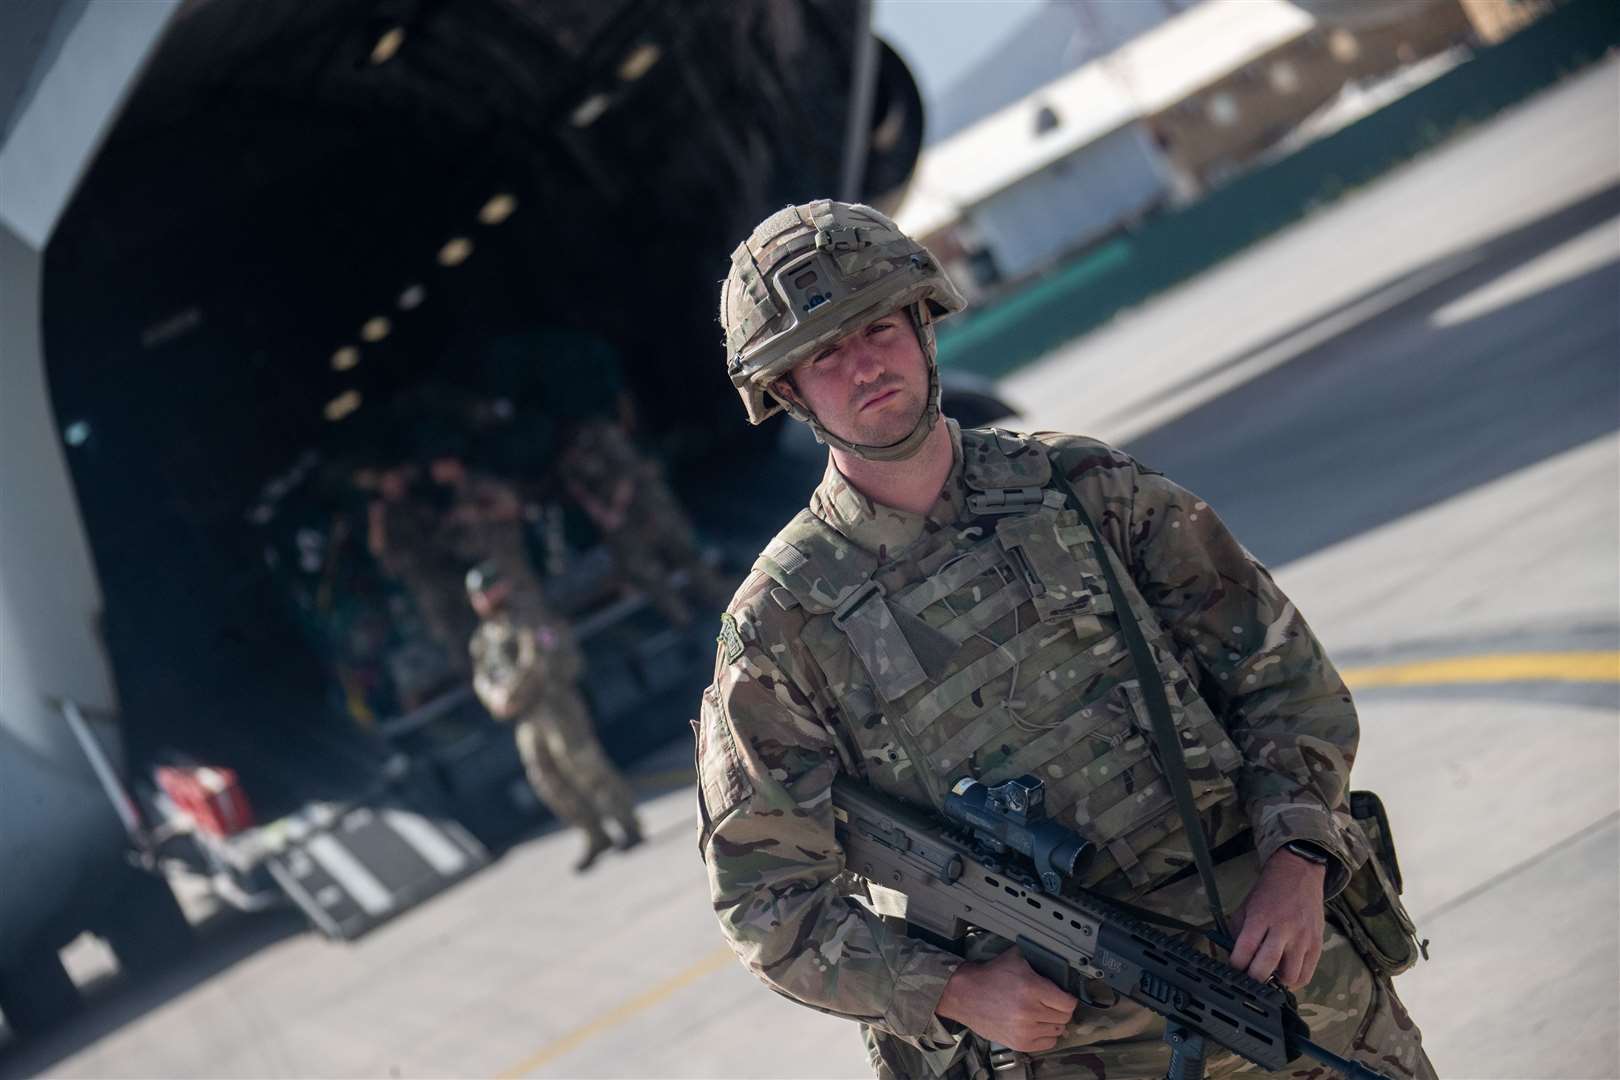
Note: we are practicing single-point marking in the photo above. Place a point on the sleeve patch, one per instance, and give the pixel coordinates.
(730, 639)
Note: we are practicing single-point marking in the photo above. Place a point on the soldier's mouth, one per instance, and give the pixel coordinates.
(879, 399)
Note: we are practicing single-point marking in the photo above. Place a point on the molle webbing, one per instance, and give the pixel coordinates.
(975, 675)
(952, 576)
(986, 613)
(1154, 697)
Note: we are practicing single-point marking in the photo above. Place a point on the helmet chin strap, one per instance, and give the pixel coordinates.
(908, 446)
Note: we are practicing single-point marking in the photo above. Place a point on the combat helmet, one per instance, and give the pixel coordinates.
(483, 577)
(808, 276)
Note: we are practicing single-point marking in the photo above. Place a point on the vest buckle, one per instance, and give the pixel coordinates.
(1006, 500)
(1009, 1064)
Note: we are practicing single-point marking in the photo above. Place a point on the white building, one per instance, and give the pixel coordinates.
(1077, 159)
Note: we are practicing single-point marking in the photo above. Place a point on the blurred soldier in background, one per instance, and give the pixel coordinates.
(640, 519)
(569, 373)
(434, 519)
(525, 665)
(407, 536)
(486, 523)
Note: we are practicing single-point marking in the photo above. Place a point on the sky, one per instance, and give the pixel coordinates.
(941, 39)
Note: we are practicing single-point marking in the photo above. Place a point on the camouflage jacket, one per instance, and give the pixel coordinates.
(413, 545)
(485, 522)
(775, 730)
(619, 487)
(518, 659)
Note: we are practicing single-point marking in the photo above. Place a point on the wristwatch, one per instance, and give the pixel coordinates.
(1312, 853)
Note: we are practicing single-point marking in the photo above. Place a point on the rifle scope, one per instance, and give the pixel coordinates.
(1012, 815)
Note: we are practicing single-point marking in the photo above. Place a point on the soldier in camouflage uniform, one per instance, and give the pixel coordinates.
(406, 536)
(639, 517)
(939, 611)
(485, 523)
(525, 665)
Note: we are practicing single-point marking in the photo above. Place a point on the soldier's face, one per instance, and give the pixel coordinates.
(869, 387)
(491, 600)
(393, 484)
(447, 470)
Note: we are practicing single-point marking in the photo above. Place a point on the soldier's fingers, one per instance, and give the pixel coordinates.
(1291, 969)
(1247, 943)
(1313, 957)
(1266, 959)
(1056, 999)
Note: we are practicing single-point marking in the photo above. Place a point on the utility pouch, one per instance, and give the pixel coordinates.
(1369, 909)
(1046, 550)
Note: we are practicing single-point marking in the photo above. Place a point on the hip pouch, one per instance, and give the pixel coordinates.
(1369, 909)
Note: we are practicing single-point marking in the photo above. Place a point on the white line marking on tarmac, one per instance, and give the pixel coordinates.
(1129, 421)
(1588, 251)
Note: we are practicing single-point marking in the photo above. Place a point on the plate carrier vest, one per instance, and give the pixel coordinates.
(992, 650)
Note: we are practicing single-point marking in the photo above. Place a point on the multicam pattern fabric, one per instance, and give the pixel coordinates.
(417, 554)
(524, 671)
(485, 524)
(642, 522)
(519, 656)
(1011, 686)
(568, 769)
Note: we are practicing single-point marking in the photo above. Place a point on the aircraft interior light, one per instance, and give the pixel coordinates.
(640, 61)
(388, 45)
(376, 328)
(455, 251)
(498, 209)
(342, 405)
(1343, 45)
(590, 110)
(346, 358)
(412, 297)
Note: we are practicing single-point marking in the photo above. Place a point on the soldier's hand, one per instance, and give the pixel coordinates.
(1005, 1001)
(1279, 924)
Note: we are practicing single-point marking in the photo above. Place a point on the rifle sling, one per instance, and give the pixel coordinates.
(1158, 707)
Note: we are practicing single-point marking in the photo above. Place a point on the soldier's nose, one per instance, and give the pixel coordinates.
(865, 364)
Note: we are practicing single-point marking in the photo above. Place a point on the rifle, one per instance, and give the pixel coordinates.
(999, 864)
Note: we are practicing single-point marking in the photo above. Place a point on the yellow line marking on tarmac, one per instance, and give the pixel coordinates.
(1578, 667)
(640, 1003)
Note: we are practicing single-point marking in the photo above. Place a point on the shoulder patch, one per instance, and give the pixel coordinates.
(731, 642)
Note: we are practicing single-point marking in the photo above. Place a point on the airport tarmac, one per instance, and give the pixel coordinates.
(1410, 405)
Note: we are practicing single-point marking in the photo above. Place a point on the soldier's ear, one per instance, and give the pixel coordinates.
(787, 390)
